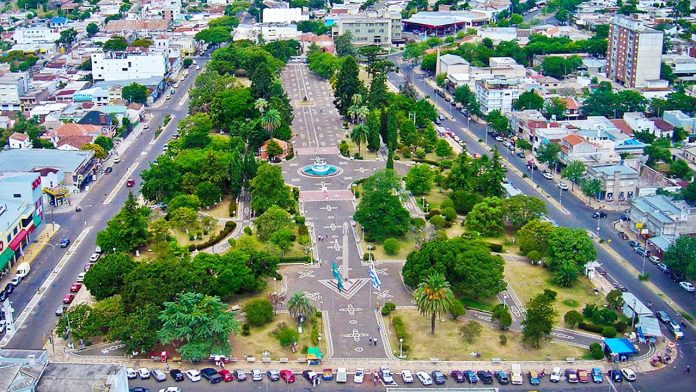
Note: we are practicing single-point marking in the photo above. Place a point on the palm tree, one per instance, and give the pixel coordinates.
(260, 105)
(271, 120)
(362, 113)
(433, 297)
(356, 104)
(359, 135)
(299, 305)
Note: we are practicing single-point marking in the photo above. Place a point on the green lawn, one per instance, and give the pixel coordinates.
(408, 245)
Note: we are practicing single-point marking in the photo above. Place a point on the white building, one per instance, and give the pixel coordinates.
(369, 28)
(36, 34)
(497, 94)
(268, 33)
(19, 140)
(283, 15)
(452, 64)
(634, 52)
(12, 86)
(638, 122)
(120, 66)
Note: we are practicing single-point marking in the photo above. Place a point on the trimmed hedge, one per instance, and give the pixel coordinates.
(229, 227)
(295, 259)
(497, 248)
(232, 209)
(400, 331)
(590, 327)
(388, 308)
(428, 161)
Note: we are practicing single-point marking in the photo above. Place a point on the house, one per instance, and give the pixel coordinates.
(690, 154)
(618, 181)
(19, 140)
(73, 142)
(659, 215)
(283, 15)
(452, 64)
(283, 145)
(677, 118)
(572, 108)
(638, 122)
(71, 130)
(21, 213)
(576, 148)
(324, 42)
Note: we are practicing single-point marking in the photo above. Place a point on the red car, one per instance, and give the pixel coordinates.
(130, 182)
(68, 299)
(287, 376)
(75, 287)
(226, 375)
(582, 376)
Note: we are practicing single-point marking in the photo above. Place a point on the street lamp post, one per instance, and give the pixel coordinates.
(321, 309)
(560, 193)
(401, 348)
(504, 300)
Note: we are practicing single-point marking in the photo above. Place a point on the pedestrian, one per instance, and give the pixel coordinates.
(166, 366)
(375, 341)
(370, 339)
(688, 369)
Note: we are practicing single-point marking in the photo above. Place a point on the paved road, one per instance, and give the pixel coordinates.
(580, 216)
(32, 334)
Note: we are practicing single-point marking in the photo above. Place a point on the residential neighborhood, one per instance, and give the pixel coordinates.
(486, 194)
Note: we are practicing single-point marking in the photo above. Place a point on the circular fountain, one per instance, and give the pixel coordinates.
(320, 169)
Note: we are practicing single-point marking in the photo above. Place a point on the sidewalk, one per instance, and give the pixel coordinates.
(34, 248)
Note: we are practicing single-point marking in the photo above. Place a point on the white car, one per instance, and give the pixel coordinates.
(654, 259)
(407, 376)
(556, 375)
(94, 257)
(117, 160)
(81, 277)
(687, 286)
(386, 375)
(424, 378)
(170, 389)
(98, 249)
(629, 374)
(158, 375)
(359, 376)
(499, 139)
(256, 375)
(130, 373)
(563, 186)
(547, 175)
(143, 373)
(193, 375)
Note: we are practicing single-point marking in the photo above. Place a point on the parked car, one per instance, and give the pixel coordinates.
(75, 287)
(547, 175)
(663, 267)
(555, 375)
(143, 373)
(663, 316)
(629, 374)
(582, 376)
(521, 154)
(256, 375)
(502, 377)
(424, 378)
(499, 139)
(16, 280)
(633, 244)
(641, 251)
(534, 378)
(177, 375)
(485, 376)
(596, 376)
(687, 286)
(341, 375)
(386, 375)
(571, 376)
(457, 376)
(80, 277)
(563, 186)
(130, 182)
(438, 377)
(327, 374)
(470, 376)
(615, 375)
(623, 235)
(407, 376)
(139, 389)
(68, 298)
(64, 242)
(170, 389)
(273, 375)
(239, 375)
(654, 259)
(359, 376)
(131, 374)
(94, 257)
(211, 375)
(287, 376)
(309, 375)
(226, 375)
(108, 170)
(599, 214)
(193, 375)
(158, 375)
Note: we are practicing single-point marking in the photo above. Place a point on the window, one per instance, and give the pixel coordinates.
(17, 195)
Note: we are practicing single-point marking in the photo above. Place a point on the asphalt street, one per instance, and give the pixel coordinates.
(580, 216)
(41, 320)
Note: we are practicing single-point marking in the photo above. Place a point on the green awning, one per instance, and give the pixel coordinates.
(37, 220)
(314, 353)
(5, 257)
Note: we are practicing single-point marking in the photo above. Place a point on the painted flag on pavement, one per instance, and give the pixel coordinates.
(376, 283)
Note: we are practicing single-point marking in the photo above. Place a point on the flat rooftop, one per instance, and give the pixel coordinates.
(20, 160)
(61, 377)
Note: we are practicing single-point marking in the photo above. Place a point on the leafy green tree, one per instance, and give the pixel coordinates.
(443, 149)
(214, 35)
(502, 315)
(487, 217)
(379, 94)
(591, 188)
(134, 92)
(569, 245)
(271, 120)
(258, 312)
(347, 84)
(689, 193)
(572, 318)
(200, 323)
(489, 175)
(99, 152)
(433, 298)
(231, 106)
(105, 278)
(429, 62)
(565, 274)
(382, 216)
(206, 87)
(680, 169)
(127, 230)
(574, 172)
(681, 256)
(92, 29)
(534, 236)
(82, 321)
(299, 305)
(344, 45)
(555, 108)
(462, 174)
(105, 142)
(559, 67)
(615, 299)
(521, 209)
(467, 98)
(538, 321)
(498, 121)
(261, 82)
(419, 179)
(161, 182)
(471, 330)
(268, 189)
(548, 153)
(208, 193)
(67, 37)
(529, 100)
(272, 220)
(323, 64)
(115, 44)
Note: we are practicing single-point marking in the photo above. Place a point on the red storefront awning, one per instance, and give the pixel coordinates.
(17, 241)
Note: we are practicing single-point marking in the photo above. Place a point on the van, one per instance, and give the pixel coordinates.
(341, 375)
(516, 376)
(556, 375)
(23, 270)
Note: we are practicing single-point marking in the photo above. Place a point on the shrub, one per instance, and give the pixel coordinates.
(420, 153)
(644, 276)
(296, 193)
(295, 259)
(388, 308)
(259, 312)
(449, 213)
(392, 246)
(572, 318)
(399, 328)
(534, 256)
(232, 209)
(571, 303)
(229, 227)
(503, 339)
(287, 337)
(457, 309)
(590, 327)
(609, 332)
(300, 220)
(302, 230)
(428, 161)
(247, 230)
(246, 329)
(344, 149)
(446, 164)
(432, 213)
(496, 248)
(596, 351)
(550, 294)
(621, 326)
(367, 255)
(438, 221)
(447, 203)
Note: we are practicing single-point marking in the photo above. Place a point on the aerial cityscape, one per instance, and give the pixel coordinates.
(383, 195)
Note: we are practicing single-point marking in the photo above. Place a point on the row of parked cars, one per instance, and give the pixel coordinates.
(77, 285)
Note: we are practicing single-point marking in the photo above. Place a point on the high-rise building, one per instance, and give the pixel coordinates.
(634, 52)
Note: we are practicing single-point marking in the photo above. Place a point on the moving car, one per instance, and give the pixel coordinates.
(177, 375)
(675, 329)
(226, 375)
(571, 376)
(193, 375)
(130, 183)
(582, 376)
(68, 299)
(687, 286)
(663, 316)
(407, 376)
(273, 375)
(599, 214)
(385, 375)
(615, 375)
(563, 186)
(211, 375)
(287, 376)
(485, 376)
(143, 373)
(622, 235)
(424, 378)
(359, 376)
(94, 257)
(457, 375)
(555, 375)
(239, 375)
(547, 175)
(64, 242)
(256, 375)
(534, 378)
(596, 376)
(75, 287)
(470, 376)
(158, 375)
(629, 374)
(502, 377)
(117, 160)
(108, 170)
(170, 389)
